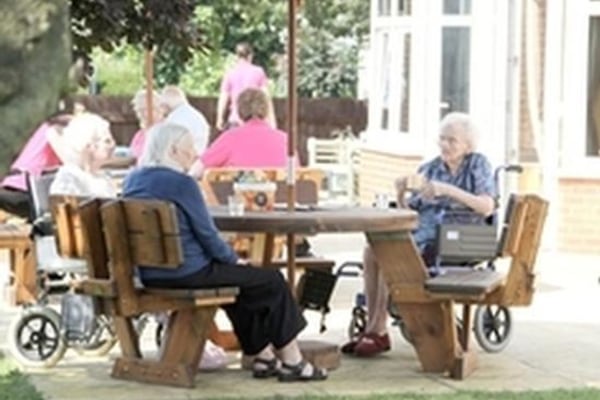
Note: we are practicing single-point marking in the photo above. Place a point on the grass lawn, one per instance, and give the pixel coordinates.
(15, 385)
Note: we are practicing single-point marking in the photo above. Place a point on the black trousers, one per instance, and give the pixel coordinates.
(15, 201)
(265, 311)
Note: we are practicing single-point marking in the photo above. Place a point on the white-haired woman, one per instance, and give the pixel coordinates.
(88, 144)
(146, 118)
(458, 176)
(265, 317)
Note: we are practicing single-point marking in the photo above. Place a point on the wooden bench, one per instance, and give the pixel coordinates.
(427, 304)
(118, 235)
(23, 272)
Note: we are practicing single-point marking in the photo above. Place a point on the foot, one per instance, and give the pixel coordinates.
(348, 347)
(372, 344)
(262, 368)
(303, 371)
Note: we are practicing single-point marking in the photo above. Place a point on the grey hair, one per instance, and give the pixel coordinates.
(83, 130)
(172, 97)
(160, 139)
(138, 102)
(464, 124)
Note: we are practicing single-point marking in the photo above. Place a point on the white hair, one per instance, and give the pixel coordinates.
(172, 97)
(160, 139)
(139, 101)
(462, 123)
(83, 130)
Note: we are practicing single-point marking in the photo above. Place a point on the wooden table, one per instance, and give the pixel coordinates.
(431, 322)
(16, 238)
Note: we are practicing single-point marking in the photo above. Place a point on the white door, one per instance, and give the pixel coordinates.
(457, 53)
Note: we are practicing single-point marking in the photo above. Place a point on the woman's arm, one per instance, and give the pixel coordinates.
(482, 203)
(202, 224)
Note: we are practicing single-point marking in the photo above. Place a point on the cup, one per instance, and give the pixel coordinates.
(415, 182)
(235, 205)
(382, 200)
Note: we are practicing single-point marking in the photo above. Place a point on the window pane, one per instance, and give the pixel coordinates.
(457, 6)
(593, 120)
(456, 56)
(404, 7)
(405, 82)
(384, 7)
(386, 64)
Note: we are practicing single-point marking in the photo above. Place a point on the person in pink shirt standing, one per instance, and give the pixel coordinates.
(243, 75)
(254, 144)
(42, 151)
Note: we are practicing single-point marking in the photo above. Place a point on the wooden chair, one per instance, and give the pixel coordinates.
(265, 250)
(120, 235)
(427, 304)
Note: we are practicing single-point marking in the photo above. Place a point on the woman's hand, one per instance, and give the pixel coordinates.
(400, 185)
(433, 189)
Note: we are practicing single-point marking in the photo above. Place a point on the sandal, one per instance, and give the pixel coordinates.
(271, 368)
(293, 373)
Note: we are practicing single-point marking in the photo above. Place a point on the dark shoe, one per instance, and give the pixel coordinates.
(372, 344)
(348, 347)
(269, 368)
(293, 373)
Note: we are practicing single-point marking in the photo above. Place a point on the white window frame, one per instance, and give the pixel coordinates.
(574, 160)
(487, 96)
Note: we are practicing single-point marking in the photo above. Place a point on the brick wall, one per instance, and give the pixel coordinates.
(578, 222)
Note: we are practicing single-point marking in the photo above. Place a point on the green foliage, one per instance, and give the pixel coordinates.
(149, 23)
(14, 385)
(330, 35)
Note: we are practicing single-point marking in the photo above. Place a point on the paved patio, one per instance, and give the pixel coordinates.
(555, 344)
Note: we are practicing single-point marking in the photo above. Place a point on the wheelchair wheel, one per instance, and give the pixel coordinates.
(101, 341)
(358, 323)
(34, 337)
(493, 327)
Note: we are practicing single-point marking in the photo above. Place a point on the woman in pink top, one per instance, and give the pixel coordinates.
(253, 144)
(42, 151)
(243, 75)
(140, 107)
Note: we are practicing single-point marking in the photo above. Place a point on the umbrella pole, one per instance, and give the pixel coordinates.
(291, 128)
(149, 74)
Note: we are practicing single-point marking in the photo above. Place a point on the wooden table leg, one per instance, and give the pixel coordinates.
(25, 275)
(431, 323)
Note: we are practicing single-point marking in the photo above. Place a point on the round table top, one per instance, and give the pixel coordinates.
(347, 219)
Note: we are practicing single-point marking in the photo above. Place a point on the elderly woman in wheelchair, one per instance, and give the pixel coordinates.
(458, 176)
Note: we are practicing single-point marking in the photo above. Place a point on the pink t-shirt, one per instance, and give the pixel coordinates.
(137, 143)
(254, 145)
(36, 156)
(242, 76)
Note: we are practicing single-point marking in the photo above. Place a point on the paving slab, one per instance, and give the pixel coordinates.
(555, 345)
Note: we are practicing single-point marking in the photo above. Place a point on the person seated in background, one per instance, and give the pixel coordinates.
(146, 119)
(179, 111)
(459, 175)
(265, 317)
(42, 151)
(88, 144)
(254, 144)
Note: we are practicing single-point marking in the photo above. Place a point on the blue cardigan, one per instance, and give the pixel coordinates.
(200, 239)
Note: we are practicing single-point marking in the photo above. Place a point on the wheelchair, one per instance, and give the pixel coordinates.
(59, 319)
(462, 241)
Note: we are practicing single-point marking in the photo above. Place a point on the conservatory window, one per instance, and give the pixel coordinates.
(460, 7)
(593, 89)
(456, 69)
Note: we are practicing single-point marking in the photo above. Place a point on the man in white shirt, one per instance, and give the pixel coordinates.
(179, 111)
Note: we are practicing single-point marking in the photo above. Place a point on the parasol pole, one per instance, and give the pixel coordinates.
(292, 109)
(149, 74)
